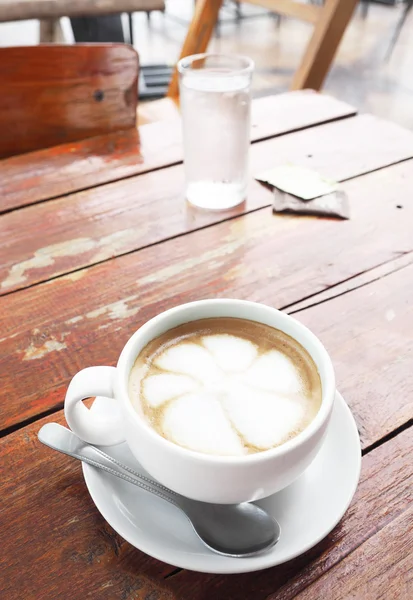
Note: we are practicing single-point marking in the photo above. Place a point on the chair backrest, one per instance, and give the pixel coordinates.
(52, 94)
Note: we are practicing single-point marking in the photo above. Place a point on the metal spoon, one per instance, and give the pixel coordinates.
(236, 530)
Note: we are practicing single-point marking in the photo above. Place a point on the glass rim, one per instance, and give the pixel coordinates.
(184, 65)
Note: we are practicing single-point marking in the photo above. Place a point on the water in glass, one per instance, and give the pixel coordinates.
(215, 106)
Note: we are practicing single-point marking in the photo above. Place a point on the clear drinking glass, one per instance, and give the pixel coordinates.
(215, 96)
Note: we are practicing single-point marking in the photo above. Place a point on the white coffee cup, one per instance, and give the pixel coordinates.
(221, 479)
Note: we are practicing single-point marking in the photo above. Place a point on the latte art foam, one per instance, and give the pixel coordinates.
(226, 386)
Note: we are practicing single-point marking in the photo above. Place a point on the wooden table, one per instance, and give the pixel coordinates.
(95, 238)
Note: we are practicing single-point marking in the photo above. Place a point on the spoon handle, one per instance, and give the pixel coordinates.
(139, 476)
(63, 440)
(162, 491)
(136, 479)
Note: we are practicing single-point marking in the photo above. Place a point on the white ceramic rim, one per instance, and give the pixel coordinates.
(184, 65)
(328, 390)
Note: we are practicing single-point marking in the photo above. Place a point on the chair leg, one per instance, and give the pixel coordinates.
(199, 33)
(365, 8)
(50, 31)
(399, 26)
(130, 21)
(328, 31)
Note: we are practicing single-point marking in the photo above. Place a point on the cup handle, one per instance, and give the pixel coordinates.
(93, 381)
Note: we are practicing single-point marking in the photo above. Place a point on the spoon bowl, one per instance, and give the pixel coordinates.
(236, 530)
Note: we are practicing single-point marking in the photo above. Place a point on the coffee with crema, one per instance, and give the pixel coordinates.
(225, 386)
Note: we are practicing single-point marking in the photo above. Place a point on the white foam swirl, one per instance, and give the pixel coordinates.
(222, 396)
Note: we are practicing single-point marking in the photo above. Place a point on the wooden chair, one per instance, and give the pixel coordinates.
(50, 11)
(330, 22)
(54, 94)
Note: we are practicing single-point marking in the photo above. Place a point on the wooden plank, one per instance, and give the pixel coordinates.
(352, 283)
(93, 226)
(290, 8)
(77, 554)
(57, 171)
(70, 167)
(275, 115)
(381, 568)
(50, 331)
(333, 19)
(102, 222)
(54, 94)
(343, 149)
(383, 500)
(68, 548)
(16, 10)
(367, 332)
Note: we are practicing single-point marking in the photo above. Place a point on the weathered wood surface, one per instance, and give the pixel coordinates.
(70, 167)
(79, 230)
(50, 331)
(76, 231)
(58, 545)
(381, 568)
(16, 10)
(384, 499)
(350, 282)
(52, 94)
(368, 334)
(54, 529)
(404, 259)
(52, 172)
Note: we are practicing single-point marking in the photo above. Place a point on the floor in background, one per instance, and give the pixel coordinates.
(360, 75)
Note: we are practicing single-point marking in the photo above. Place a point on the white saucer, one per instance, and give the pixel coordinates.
(307, 510)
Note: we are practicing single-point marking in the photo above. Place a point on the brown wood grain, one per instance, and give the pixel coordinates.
(383, 500)
(50, 331)
(199, 33)
(58, 545)
(381, 568)
(53, 94)
(329, 29)
(404, 259)
(367, 332)
(91, 226)
(290, 8)
(70, 551)
(69, 167)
